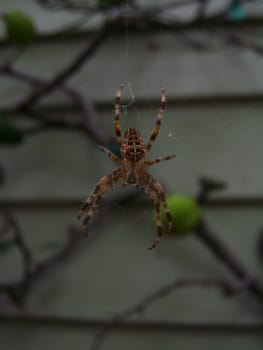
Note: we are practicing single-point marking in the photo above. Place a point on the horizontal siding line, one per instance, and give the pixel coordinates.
(180, 101)
(195, 101)
(46, 203)
(213, 23)
(154, 325)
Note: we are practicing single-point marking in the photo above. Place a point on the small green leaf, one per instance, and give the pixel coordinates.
(107, 3)
(5, 246)
(115, 149)
(9, 134)
(20, 29)
(2, 175)
(237, 12)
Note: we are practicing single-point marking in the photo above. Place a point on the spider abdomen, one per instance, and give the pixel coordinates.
(133, 147)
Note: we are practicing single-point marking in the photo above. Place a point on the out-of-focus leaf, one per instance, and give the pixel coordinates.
(2, 175)
(20, 29)
(237, 11)
(115, 149)
(9, 134)
(5, 246)
(106, 3)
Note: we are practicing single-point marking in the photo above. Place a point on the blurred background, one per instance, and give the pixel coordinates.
(61, 64)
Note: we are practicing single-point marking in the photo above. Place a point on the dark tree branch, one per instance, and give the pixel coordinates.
(208, 186)
(18, 290)
(238, 40)
(159, 294)
(90, 116)
(20, 242)
(67, 72)
(247, 280)
(218, 248)
(225, 255)
(34, 269)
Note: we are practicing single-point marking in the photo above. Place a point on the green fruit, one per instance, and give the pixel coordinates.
(20, 28)
(9, 134)
(2, 175)
(106, 3)
(185, 212)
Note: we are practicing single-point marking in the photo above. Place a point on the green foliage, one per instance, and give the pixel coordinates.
(9, 134)
(186, 214)
(2, 175)
(115, 149)
(107, 3)
(5, 246)
(237, 12)
(20, 29)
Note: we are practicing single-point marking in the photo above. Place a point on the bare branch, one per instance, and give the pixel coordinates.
(18, 290)
(159, 294)
(223, 253)
(67, 72)
(238, 40)
(90, 116)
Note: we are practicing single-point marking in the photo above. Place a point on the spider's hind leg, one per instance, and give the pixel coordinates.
(88, 202)
(93, 200)
(90, 214)
(158, 224)
(155, 191)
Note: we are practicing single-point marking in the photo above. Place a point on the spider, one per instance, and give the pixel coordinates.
(132, 170)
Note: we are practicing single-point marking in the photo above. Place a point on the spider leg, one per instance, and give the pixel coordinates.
(117, 125)
(156, 129)
(90, 199)
(90, 214)
(154, 189)
(95, 197)
(158, 221)
(157, 160)
(111, 155)
(168, 214)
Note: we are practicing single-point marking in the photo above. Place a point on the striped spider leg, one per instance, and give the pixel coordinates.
(155, 191)
(93, 200)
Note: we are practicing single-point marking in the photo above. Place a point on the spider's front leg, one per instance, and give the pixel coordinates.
(158, 160)
(155, 191)
(93, 200)
(117, 113)
(158, 122)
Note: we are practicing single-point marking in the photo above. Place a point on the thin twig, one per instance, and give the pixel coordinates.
(18, 290)
(207, 186)
(238, 40)
(19, 241)
(34, 269)
(226, 256)
(90, 115)
(217, 246)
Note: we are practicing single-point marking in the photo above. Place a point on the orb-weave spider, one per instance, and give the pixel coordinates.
(132, 169)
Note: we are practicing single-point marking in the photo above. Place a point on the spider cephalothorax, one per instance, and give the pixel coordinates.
(132, 169)
(132, 147)
(132, 151)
